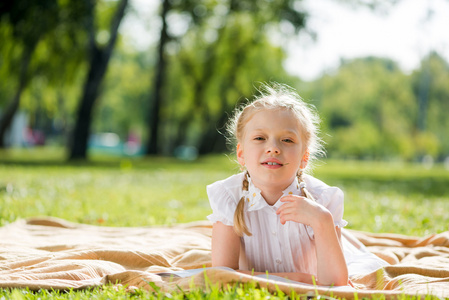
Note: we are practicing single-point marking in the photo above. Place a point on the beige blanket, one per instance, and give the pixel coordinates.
(49, 253)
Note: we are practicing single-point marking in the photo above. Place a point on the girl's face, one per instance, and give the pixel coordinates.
(271, 148)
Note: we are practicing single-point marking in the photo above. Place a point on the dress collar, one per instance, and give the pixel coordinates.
(255, 201)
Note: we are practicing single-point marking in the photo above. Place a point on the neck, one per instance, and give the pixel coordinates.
(271, 196)
(272, 192)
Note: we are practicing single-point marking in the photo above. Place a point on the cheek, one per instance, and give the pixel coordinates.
(295, 156)
(254, 150)
(250, 154)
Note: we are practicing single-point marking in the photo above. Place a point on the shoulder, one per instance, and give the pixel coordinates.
(322, 192)
(224, 196)
(228, 190)
(231, 185)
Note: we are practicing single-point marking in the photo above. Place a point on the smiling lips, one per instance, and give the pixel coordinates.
(272, 164)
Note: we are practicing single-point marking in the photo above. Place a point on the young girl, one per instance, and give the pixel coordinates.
(273, 217)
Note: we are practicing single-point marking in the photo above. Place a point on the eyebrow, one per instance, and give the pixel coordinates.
(284, 131)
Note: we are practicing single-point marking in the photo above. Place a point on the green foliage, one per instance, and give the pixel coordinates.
(431, 89)
(51, 32)
(210, 70)
(123, 106)
(370, 109)
(8, 61)
(218, 52)
(55, 37)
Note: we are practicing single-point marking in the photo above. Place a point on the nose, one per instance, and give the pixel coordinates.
(273, 148)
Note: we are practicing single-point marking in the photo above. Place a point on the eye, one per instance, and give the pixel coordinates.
(288, 140)
(259, 138)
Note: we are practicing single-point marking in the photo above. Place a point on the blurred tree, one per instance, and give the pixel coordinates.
(431, 90)
(126, 92)
(154, 118)
(221, 75)
(56, 57)
(100, 47)
(207, 21)
(58, 64)
(21, 16)
(368, 109)
(8, 57)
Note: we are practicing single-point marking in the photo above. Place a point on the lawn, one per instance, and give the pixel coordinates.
(379, 197)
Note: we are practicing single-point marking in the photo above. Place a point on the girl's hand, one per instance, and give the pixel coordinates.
(331, 265)
(301, 210)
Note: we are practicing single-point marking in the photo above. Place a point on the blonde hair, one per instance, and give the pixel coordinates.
(273, 97)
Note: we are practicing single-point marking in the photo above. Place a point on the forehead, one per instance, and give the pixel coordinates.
(273, 119)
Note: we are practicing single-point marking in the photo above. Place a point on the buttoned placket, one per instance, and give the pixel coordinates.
(274, 225)
(253, 198)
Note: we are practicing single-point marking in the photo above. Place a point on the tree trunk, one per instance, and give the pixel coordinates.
(99, 59)
(84, 117)
(154, 114)
(11, 110)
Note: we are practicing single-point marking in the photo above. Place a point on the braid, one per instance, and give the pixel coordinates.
(302, 185)
(239, 216)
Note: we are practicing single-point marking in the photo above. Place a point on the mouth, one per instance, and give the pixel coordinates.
(272, 163)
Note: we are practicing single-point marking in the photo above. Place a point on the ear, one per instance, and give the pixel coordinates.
(304, 160)
(240, 157)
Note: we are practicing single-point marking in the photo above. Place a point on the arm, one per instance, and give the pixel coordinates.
(225, 246)
(331, 265)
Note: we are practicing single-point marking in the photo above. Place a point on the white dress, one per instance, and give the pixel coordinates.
(277, 248)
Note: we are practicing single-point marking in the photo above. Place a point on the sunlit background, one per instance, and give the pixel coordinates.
(404, 31)
(377, 71)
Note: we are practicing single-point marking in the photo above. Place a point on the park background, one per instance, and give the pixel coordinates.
(112, 112)
(161, 78)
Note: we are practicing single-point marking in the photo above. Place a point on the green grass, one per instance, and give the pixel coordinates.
(391, 196)
(379, 197)
(238, 291)
(108, 191)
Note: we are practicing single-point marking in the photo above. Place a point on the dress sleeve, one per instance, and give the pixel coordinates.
(333, 199)
(223, 204)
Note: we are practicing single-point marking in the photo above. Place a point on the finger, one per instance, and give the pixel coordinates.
(289, 198)
(280, 209)
(286, 216)
(283, 208)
